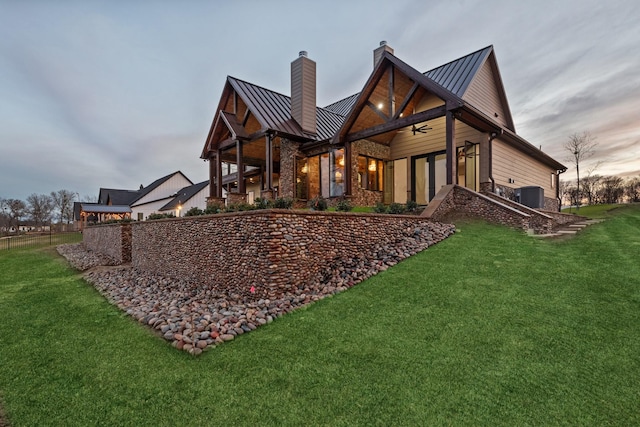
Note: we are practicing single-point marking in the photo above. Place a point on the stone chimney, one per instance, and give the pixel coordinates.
(377, 54)
(303, 92)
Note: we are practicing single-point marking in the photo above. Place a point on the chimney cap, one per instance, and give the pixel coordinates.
(383, 43)
(303, 53)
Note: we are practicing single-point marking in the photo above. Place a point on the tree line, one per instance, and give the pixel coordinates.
(38, 209)
(593, 188)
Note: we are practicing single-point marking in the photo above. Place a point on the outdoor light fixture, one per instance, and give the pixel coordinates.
(380, 106)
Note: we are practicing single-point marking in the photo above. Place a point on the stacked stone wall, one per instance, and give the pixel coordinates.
(271, 253)
(112, 241)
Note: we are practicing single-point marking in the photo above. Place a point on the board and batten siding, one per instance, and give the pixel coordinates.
(168, 188)
(483, 94)
(510, 163)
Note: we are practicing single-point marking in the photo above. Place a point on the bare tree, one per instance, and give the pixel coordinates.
(632, 190)
(40, 208)
(612, 189)
(63, 203)
(13, 211)
(581, 146)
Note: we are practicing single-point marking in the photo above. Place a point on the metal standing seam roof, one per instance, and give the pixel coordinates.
(273, 111)
(455, 76)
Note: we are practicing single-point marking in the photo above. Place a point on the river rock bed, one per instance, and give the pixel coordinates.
(194, 318)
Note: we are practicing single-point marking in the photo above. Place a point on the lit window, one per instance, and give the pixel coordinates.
(370, 173)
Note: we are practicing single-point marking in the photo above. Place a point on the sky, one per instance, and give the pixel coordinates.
(116, 94)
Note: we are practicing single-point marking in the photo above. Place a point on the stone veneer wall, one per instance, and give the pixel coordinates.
(360, 196)
(275, 251)
(564, 218)
(111, 240)
(460, 201)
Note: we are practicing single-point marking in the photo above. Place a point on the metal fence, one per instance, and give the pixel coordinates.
(38, 240)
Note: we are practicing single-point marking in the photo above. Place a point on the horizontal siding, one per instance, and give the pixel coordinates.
(406, 144)
(483, 94)
(166, 189)
(511, 163)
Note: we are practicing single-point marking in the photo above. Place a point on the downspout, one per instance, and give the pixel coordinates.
(493, 136)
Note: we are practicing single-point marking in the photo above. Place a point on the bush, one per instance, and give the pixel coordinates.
(380, 208)
(213, 209)
(239, 207)
(194, 211)
(160, 216)
(344, 205)
(283, 203)
(261, 203)
(412, 206)
(396, 208)
(318, 203)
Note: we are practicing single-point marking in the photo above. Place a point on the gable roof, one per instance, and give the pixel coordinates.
(273, 111)
(184, 195)
(114, 196)
(455, 76)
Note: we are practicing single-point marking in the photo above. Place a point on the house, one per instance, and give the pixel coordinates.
(169, 194)
(192, 196)
(404, 136)
(146, 200)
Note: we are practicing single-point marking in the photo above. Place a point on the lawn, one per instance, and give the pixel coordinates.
(489, 327)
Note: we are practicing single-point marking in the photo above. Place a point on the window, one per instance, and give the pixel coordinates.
(321, 175)
(370, 173)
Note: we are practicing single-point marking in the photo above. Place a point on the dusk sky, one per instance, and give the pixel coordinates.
(119, 93)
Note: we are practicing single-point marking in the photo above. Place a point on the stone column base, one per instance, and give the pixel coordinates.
(236, 198)
(216, 201)
(267, 194)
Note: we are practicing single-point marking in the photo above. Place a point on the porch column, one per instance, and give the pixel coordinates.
(348, 169)
(219, 173)
(451, 148)
(213, 173)
(240, 175)
(268, 184)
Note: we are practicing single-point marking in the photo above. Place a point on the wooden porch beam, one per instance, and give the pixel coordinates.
(240, 166)
(406, 100)
(382, 115)
(422, 116)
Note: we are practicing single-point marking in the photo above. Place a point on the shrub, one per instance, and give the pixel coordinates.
(283, 203)
(160, 216)
(318, 203)
(380, 208)
(261, 203)
(239, 207)
(213, 209)
(411, 206)
(396, 208)
(344, 205)
(194, 211)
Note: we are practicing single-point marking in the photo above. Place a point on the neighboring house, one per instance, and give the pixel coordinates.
(139, 204)
(403, 137)
(193, 196)
(146, 200)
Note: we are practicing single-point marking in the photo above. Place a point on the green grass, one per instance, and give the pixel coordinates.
(593, 211)
(489, 327)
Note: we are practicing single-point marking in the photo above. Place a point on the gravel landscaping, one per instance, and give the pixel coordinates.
(194, 317)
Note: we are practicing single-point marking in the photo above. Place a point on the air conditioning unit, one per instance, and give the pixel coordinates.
(531, 196)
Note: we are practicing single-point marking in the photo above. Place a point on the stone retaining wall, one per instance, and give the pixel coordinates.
(540, 222)
(111, 240)
(460, 201)
(275, 252)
